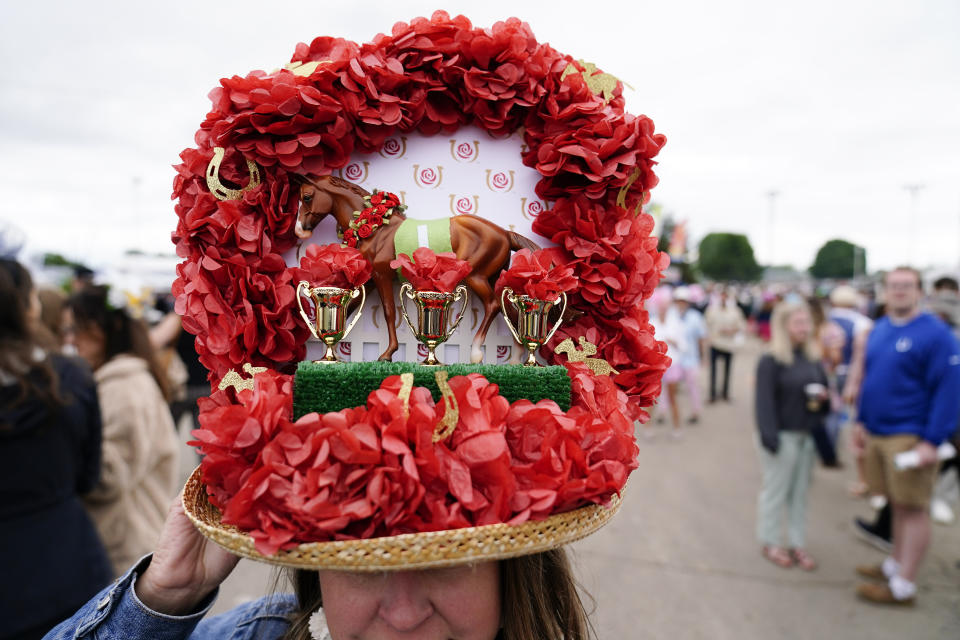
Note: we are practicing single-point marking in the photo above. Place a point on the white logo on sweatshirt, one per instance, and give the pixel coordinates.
(954, 360)
(904, 344)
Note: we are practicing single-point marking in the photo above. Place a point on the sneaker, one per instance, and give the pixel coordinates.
(871, 572)
(877, 502)
(869, 534)
(693, 419)
(940, 511)
(881, 594)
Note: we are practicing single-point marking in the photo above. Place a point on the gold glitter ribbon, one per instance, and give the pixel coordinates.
(622, 196)
(405, 389)
(451, 414)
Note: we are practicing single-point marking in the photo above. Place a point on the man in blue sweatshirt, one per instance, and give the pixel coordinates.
(909, 401)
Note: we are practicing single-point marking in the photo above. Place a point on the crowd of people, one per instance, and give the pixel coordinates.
(88, 447)
(845, 374)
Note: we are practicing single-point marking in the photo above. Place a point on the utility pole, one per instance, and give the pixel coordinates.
(771, 233)
(914, 191)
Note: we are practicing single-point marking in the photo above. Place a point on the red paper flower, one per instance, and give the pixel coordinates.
(334, 266)
(429, 271)
(375, 470)
(535, 274)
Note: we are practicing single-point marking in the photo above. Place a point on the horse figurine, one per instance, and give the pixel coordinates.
(480, 242)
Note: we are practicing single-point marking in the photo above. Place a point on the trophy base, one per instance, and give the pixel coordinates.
(329, 356)
(532, 356)
(431, 360)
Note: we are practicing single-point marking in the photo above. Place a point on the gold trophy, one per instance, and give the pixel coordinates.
(433, 310)
(331, 304)
(531, 331)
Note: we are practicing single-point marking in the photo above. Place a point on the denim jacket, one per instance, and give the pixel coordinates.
(116, 613)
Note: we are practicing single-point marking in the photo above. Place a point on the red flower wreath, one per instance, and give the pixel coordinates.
(337, 98)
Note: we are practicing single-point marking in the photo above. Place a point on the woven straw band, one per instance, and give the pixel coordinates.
(406, 551)
(332, 387)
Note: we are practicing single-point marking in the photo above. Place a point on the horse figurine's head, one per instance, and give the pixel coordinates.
(323, 196)
(315, 204)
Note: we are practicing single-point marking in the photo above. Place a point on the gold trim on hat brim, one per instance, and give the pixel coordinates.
(406, 551)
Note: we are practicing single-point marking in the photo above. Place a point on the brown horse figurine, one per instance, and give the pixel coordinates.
(480, 242)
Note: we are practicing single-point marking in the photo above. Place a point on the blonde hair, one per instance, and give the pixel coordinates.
(781, 347)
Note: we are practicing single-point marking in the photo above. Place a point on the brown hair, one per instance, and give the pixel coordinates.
(915, 273)
(122, 333)
(18, 339)
(538, 594)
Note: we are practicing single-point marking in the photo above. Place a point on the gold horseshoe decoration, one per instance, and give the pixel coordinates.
(213, 177)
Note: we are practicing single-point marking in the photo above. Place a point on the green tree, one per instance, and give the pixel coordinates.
(728, 256)
(839, 259)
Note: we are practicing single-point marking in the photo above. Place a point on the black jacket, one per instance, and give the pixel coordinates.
(781, 402)
(50, 552)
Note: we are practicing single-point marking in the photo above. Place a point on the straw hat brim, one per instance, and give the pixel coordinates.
(406, 551)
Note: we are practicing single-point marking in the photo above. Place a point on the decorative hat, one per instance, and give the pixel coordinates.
(433, 466)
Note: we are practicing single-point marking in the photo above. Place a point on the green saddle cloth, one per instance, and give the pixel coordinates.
(414, 234)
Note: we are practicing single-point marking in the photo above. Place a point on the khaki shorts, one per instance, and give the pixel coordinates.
(909, 487)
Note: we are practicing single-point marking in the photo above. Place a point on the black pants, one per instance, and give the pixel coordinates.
(726, 356)
(825, 448)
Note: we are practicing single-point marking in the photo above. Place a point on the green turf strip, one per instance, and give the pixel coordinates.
(332, 387)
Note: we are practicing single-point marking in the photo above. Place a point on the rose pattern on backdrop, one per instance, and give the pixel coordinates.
(531, 208)
(464, 205)
(427, 177)
(465, 151)
(356, 172)
(394, 147)
(500, 181)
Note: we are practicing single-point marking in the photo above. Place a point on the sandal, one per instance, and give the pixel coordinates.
(778, 556)
(803, 559)
(858, 489)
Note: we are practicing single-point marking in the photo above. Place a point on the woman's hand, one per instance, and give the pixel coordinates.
(185, 568)
(770, 442)
(858, 439)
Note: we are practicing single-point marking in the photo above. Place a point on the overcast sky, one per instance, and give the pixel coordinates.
(836, 106)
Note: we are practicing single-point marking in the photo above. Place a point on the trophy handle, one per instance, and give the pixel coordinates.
(460, 290)
(560, 319)
(406, 288)
(303, 314)
(363, 298)
(506, 318)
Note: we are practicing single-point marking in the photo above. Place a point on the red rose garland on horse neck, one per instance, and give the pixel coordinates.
(434, 75)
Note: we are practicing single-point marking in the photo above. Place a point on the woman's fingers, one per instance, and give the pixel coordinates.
(185, 567)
